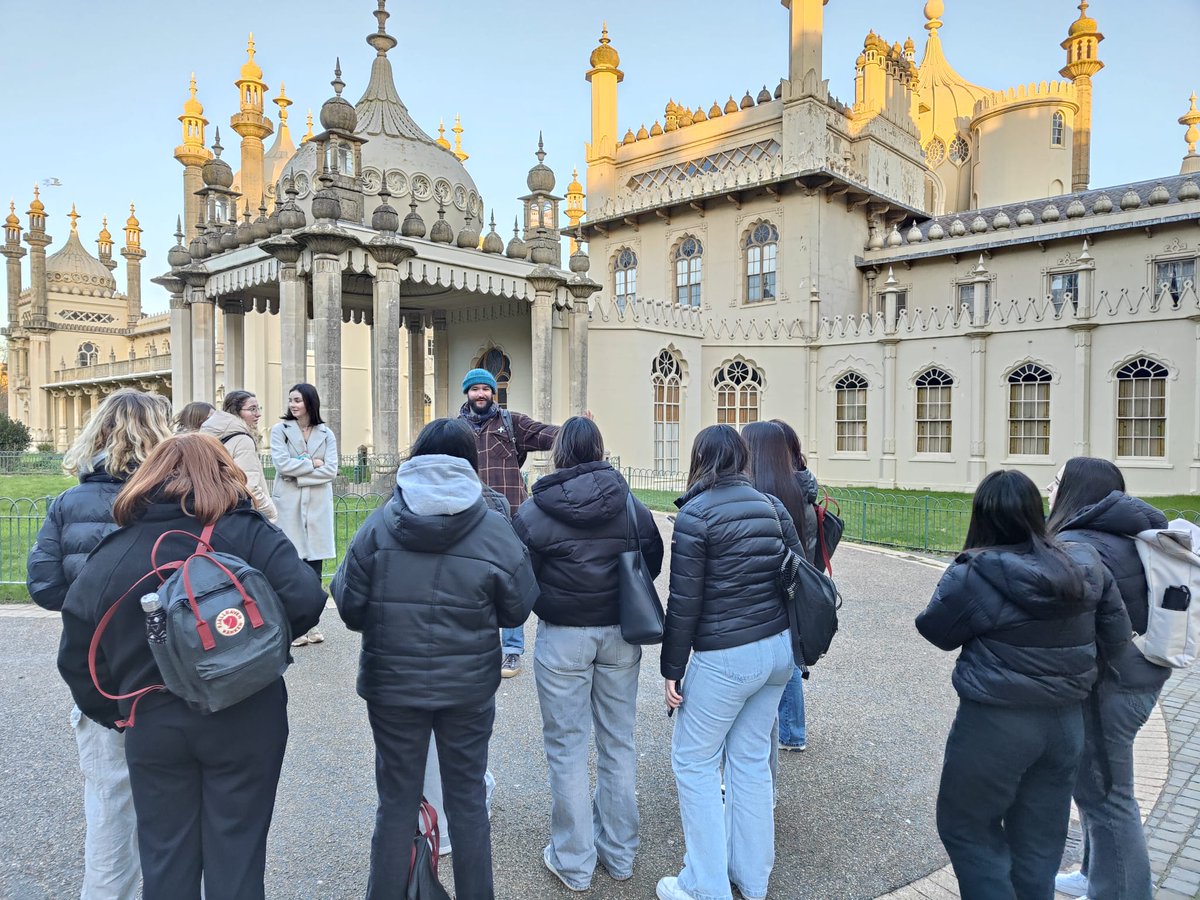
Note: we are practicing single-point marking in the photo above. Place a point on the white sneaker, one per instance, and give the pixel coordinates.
(559, 875)
(668, 889)
(1073, 885)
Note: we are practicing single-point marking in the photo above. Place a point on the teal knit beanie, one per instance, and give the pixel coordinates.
(479, 376)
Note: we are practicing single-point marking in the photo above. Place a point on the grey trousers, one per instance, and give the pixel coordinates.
(588, 677)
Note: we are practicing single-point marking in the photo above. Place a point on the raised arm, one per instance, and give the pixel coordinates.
(531, 434)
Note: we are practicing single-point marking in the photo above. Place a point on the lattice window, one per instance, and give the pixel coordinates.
(851, 391)
(689, 270)
(1029, 411)
(934, 408)
(712, 163)
(1142, 409)
(960, 150)
(625, 277)
(935, 152)
(762, 249)
(1057, 127)
(739, 389)
(497, 362)
(88, 355)
(80, 315)
(1064, 286)
(666, 379)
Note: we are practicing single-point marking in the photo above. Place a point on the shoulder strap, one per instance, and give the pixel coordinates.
(507, 419)
(632, 541)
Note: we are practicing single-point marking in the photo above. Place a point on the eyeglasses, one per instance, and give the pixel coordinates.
(252, 409)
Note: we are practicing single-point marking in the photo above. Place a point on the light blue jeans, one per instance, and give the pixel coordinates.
(730, 701)
(588, 677)
(791, 711)
(512, 640)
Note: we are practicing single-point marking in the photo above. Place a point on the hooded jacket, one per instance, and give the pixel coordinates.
(725, 557)
(124, 661)
(808, 487)
(575, 526)
(1109, 527)
(428, 580)
(231, 431)
(1028, 623)
(78, 519)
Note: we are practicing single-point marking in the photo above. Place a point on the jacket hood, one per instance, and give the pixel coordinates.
(1039, 582)
(99, 474)
(438, 500)
(222, 424)
(698, 489)
(1118, 513)
(582, 495)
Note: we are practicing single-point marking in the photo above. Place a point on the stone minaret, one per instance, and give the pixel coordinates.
(134, 254)
(104, 245)
(806, 26)
(13, 251)
(1083, 61)
(601, 153)
(192, 155)
(252, 125)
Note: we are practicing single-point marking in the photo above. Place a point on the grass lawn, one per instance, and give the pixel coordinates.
(27, 486)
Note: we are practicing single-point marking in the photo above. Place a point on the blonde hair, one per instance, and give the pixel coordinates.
(125, 427)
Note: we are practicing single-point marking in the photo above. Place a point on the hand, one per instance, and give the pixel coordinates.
(587, 414)
(674, 698)
(317, 462)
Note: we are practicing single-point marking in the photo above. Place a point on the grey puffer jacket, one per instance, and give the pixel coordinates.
(1109, 527)
(1028, 623)
(725, 557)
(78, 519)
(428, 580)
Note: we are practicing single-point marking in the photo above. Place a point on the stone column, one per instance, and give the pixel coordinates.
(181, 347)
(13, 251)
(977, 463)
(1083, 389)
(38, 348)
(235, 343)
(545, 282)
(1195, 466)
(441, 367)
(388, 252)
(203, 343)
(60, 421)
(581, 288)
(415, 327)
(76, 413)
(293, 310)
(887, 463)
(890, 298)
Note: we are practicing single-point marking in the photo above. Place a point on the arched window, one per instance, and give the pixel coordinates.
(625, 277)
(1029, 411)
(959, 150)
(851, 391)
(1142, 408)
(1057, 123)
(739, 386)
(666, 378)
(762, 247)
(934, 425)
(89, 354)
(688, 258)
(497, 362)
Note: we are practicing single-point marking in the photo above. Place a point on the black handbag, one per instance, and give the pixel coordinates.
(812, 602)
(829, 529)
(641, 611)
(423, 882)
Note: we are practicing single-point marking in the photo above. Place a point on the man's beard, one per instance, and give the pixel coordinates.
(479, 407)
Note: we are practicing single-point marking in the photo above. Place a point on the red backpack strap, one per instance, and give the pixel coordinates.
(94, 646)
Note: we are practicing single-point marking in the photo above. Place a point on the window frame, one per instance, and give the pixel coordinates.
(1058, 130)
(1158, 379)
(688, 270)
(736, 383)
(1158, 285)
(943, 402)
(666, 380)
(760, 250)
(1029, 379)
(625, 277)
(851, 395)
(1050, 291)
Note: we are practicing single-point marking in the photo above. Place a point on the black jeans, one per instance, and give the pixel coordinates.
(1004, 803)
(401, 746)
(204, 792)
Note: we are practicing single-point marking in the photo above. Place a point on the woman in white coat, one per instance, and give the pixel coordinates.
(305, 454)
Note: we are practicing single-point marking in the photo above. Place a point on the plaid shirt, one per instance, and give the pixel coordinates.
(499, 452)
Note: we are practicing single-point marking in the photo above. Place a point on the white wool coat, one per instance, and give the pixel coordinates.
(303, 493)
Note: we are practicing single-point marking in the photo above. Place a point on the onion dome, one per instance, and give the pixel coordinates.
(909, 46)
(1103, 204)
(326, 204)
(957, 228)
(541, 177)
(1130, 199)
(1159, 195)
(274, 225)
(1085, 24)
(468, 237)
(779, 89)
(36, 207)
(605, 56)
(656, 129)
(1025, 217)
(245, 231)
(629, 138)
(216, 172)
(698, 115)
(105, 236)
(914, 235)
(261, 227)
(643, 133)
(336, 113)
(1076, 209)
(73, 265)
(1000, 221)
(193, 108)
(714, 111)
(936, 231)
(492, 242)
(178, 255)
(12, 221)
(198, 248)
(542, 249)
(385, 217)
(291, 216)
(251, 71)
(747, 101)
(413, 225)
(1189, 190)
(441, 232)
(516, 248)
(979, 225)
(731, 105)
(579, 262)
(861, 61)
(229, 237)
(764, 96)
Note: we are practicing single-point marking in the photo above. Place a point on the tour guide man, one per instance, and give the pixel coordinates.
(503, 439)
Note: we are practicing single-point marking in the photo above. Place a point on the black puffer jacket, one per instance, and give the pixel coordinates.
(725, 558)
(808, 486)
(575, 526)
(124, 660)
(1028, 623)
(429, 593)
(1109, 526)
(78, 519)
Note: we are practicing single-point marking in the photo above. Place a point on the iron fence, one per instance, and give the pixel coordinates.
(20, 520)
(18, 463)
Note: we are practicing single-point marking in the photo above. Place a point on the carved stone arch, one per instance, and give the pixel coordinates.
(739, 358)
(1172, 368)
(1055, 374)
(846, 364)
(684, 369)
(922, 369)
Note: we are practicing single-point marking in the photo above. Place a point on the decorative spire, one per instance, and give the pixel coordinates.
(441, 138)
(381, 40)
(74, 217)
(933, 16)
(1191, 119)
(250, 69)
(337, 82)
(308, 134)
(283, 102)
(216, 146)
(12, 221)
(104, 238)
(458, 131)
(37, 206)
(541, 150)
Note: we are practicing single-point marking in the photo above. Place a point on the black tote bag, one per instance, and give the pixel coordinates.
(423, 882)
(812, 601)
(641, 611)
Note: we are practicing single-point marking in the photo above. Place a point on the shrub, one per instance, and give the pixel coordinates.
(14, 436)
(45, 447)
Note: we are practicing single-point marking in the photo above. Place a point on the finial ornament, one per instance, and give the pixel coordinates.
(74, 217)
(308, 134)
(217, 148)
(458, 133)
(1192, 120)
(933, 15)
(541, 150)
(337, 82)
(283, 102)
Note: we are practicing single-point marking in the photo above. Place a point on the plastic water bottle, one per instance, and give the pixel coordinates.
(156, 619)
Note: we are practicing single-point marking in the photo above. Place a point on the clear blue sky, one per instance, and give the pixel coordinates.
(92, 91)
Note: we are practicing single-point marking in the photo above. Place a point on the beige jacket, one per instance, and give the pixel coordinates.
(231, 430)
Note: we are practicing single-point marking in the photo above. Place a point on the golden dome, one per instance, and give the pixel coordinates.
(36, 207)
(250, 69)
(12, 221)
(1085, 24)
(575, 187)
(192, 106)
(132, 221)
(104, 237)
(605, 56)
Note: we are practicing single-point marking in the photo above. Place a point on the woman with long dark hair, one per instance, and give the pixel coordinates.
(114, 442)
(808, 487)
(203, 784)
(576, 526)
(1028, 614)
(429, 580)
(305, 452)
(1089, 506)
(726, 613)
